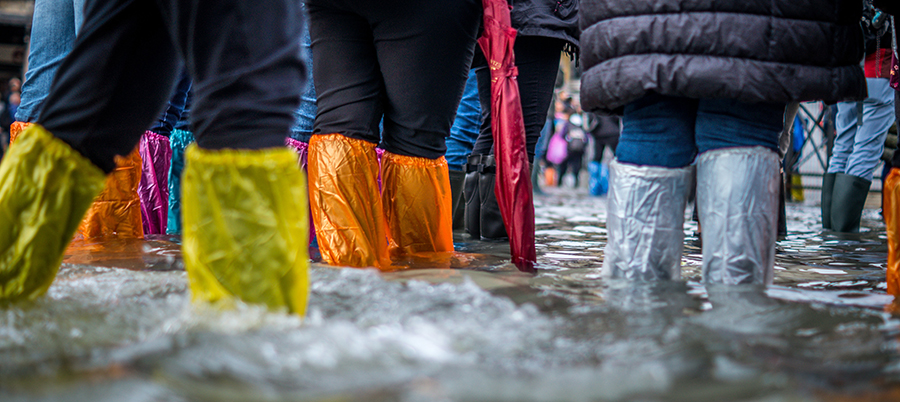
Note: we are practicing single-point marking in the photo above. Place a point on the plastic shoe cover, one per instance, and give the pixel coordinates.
(302, 150)
(15, 129)
(179, 140)
(738, 192)
(417, 204)
(892, 222)
(156, 155)
(645, 221)
(45, 188)
(245, 227)
(346, 203)
(117, 210)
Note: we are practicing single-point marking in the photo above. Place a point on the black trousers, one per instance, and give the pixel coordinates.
(403, 62)
(244, 58)
(537, 59)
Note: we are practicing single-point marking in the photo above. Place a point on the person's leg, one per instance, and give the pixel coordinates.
(878, 117)
(649, 185)
(537, 61)
(243, 189)
(462, 137)
(845, 122)
(738, 189)
(94, 83)
(345, 198)
(52, 36)
(422, 50)
(851, 187)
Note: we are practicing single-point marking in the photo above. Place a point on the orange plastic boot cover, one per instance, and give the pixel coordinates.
(15, 129)
(892, 222)
(117, 210)
(417, 204)
(345, 202)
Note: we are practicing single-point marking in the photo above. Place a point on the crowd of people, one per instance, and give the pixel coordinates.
(141, 117)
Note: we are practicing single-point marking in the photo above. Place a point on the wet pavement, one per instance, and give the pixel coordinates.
(118, 325)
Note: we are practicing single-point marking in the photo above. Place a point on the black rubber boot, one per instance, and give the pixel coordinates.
(848, 201)
(491, 222)
(472, 214)
(827, 191)
(459, 208)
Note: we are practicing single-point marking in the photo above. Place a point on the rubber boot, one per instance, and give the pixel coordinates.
(457, 178)
(490, 219)
(827, 192)
(417, 204)
(153, 189)
(45, 189)
(848, 201)
(179, 140)
(892, 224)
(346, 203)
(472, 216)
(535, 174)
(645, 221)
(738, 192)
(245, 227)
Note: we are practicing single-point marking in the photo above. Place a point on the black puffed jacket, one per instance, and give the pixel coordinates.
(547, 18)
(749, 50)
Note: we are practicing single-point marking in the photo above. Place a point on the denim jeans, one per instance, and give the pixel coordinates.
(54, 26)
(306, 114)
(857, 149)
(465, 127)
(671, 131)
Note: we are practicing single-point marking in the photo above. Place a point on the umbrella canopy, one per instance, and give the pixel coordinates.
(513, 184)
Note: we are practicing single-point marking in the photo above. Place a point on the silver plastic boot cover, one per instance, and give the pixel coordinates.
(737, 192)
(645, 222)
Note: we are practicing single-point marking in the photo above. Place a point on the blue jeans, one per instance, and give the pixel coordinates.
(671, 131)
(178, 108)
(306, 114)
(465, 127)
(54, 26)
(857, 149)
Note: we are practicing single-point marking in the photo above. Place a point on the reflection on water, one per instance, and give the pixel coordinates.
(118, 325)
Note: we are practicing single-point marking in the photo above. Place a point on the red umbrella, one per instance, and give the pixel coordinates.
(513, 183)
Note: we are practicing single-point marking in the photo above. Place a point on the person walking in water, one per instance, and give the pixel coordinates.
(707, 81)
(242, 189)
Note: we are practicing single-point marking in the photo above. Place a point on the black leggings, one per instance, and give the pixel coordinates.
(537, 59)
(244, 58)
(403, 62)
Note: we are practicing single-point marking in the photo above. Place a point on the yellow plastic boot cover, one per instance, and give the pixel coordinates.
(117, 210)
(245, 227)
(892, 223)
(417, 204)
(45, 188)
(346, 203)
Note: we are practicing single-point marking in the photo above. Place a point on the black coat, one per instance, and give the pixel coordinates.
(749, 50)
(547, 18)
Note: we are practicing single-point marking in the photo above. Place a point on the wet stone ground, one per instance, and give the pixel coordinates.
(118, 325)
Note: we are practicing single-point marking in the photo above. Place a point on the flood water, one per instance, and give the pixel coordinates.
(118, 325)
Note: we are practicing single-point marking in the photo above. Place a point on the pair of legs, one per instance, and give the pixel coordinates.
(244, 58)
(537, 63)
(856, 153)
(737, 174)
(402, 63)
